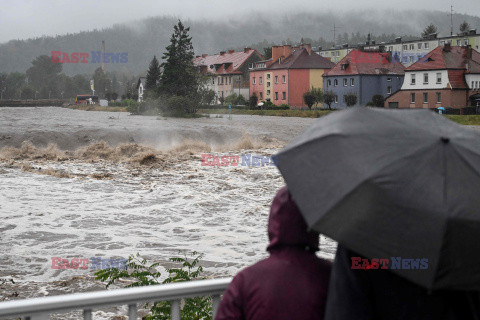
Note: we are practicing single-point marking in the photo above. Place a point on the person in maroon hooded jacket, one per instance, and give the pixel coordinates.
(292, 283)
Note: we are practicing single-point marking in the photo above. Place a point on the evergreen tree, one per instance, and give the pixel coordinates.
(429, 30)
(464, 27)
(153, 74)
(180, 77)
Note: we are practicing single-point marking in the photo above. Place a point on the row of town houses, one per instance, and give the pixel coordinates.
(444, 72)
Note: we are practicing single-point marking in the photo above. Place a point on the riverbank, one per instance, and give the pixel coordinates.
(96, 107)
(471, 120)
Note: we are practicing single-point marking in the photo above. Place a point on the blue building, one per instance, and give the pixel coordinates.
(365, 74)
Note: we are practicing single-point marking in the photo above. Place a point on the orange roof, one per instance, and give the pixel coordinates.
(225, 63)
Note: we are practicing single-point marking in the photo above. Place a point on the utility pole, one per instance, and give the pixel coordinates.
(103, 56)
(451, 20)
(334, 34)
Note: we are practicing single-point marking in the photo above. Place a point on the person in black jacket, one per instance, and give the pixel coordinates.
(378, 294)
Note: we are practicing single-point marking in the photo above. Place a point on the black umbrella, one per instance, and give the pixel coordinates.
(393, 184)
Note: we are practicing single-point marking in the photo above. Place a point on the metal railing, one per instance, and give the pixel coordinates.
(41, 308)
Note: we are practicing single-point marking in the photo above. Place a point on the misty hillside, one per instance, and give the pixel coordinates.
(144, 38)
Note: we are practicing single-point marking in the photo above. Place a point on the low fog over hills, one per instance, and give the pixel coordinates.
(144, 38)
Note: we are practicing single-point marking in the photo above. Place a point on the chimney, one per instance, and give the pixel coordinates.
(307, 47)
(222, 53)
(447, 47)
(468, 52)
(247, 49)
(231, 51)
(281, 52)
(204, 55)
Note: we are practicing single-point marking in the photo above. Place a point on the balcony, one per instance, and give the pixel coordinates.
(41, 308)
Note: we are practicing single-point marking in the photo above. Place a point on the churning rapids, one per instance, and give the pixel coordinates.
(77, 184)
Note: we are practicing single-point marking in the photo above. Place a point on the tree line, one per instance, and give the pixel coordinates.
(45, 80)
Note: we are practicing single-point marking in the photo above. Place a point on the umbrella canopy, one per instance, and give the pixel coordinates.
(401, 184)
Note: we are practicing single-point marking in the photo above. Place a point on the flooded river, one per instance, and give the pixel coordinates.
(77, 184)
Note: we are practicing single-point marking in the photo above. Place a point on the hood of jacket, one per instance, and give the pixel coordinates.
(286, 226)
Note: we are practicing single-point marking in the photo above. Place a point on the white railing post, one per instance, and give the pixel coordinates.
(175, 310)
(132, 311)
(215, 304)
(38, 316)
(87, 314)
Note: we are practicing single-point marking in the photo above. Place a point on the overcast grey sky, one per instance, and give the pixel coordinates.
(21, 19)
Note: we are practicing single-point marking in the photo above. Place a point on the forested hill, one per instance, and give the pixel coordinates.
(144, 38)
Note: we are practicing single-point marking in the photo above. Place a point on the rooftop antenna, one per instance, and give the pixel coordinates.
(451, 20)
(334, 34)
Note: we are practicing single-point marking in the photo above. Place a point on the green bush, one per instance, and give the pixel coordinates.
(144, 274)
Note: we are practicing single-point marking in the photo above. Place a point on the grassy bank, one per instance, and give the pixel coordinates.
(471, 120)
(94, 107)
(276, 113)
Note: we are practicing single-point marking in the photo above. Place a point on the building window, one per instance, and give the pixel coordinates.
(352, 82)
(276, 95)
(261, 95)
(345, 82)
(276, 79)
(284, 79)
(329, 82)
(213, 80)
(465, 42)
(439, 97)
(425, 78)
(389, 90)
(412, 47)
(260, 80)
(390, 48)
(412, 79)
(268, 92)
(335, 99)
(284, 95)
(439, 77)
(473, 85)
(230, 80)
(419, 45)
(268, 84)
(412, 97)
(426, 45)
(268, 75)
(425, 97)
(254, 80)
(389, 79)
(218, 80)
(405, 47)
(335, 82)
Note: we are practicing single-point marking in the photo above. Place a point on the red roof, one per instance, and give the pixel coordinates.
(366, 62)
(301, 59)
(224, 63)
(455, 58)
